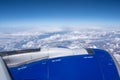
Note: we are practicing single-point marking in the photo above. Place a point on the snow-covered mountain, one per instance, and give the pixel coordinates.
(86, 38)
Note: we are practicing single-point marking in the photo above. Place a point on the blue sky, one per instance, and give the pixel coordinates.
(29, 13)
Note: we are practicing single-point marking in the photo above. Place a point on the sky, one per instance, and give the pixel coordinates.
(39, 13)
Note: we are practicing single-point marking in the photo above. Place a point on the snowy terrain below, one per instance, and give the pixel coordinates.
(86, 38)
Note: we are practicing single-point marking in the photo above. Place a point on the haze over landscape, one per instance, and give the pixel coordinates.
(52, 23)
